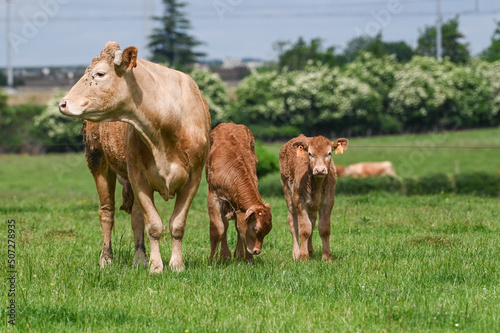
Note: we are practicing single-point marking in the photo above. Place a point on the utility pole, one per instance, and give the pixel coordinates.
(439, 34)
(10, 72)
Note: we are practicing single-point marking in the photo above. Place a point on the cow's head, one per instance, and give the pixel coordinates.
(102, 93)
(319, 151)
(255, 225)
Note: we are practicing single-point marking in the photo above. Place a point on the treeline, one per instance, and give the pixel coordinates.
(368, 96)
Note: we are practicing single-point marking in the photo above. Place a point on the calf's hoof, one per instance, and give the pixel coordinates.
(105, 260)
(176, 265)
(140, 260)
(327, 257)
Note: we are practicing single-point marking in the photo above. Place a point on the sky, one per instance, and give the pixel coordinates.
(72, 32)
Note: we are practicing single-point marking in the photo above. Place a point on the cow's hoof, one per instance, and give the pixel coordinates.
(155, 267)
(176, 265)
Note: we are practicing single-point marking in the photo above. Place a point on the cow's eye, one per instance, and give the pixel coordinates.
(99, 74)
(329, 154)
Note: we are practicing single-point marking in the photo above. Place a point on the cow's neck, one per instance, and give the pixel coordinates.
(153, 135)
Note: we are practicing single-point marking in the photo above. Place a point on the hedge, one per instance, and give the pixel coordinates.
(477, 183)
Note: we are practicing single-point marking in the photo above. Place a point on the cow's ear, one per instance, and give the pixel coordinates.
(340, 145)
(126, 59)
(300, 148)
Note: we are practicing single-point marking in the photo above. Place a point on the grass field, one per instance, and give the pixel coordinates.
(401, 264)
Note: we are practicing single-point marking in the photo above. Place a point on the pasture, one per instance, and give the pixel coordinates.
(419, 263)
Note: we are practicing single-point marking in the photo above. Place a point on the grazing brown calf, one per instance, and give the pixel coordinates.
(105, 152)
(231, 172)
(308, 179)
(167, 137)
(367, 169)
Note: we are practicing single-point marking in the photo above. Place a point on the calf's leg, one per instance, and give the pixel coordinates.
(105, 180)
(324, 228)
(140, 257)
(218, 227)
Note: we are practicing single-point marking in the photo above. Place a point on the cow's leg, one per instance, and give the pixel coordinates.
(154, 226)
(218, 227)
(324, 228)
(105, 180)
(140, 257)
(178, 219)
(310, 248)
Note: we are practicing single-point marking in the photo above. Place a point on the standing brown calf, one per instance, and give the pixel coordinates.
(105, 151)
(231, 171)
(308, 179)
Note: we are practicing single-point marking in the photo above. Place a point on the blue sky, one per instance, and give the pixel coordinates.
(71, 32)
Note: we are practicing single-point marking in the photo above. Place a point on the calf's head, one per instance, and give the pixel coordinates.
(254, 226)
(319, 151)
(102, 93)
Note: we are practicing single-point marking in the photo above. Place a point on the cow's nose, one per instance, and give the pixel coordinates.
(63, 105)
(256, 251)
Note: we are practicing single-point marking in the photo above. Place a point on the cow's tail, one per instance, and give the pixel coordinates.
(128, 197)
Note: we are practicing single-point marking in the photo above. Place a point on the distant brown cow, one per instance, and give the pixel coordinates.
(308, 179)
(366, 169)
(232, 192)
(105, 151)
(167, 138)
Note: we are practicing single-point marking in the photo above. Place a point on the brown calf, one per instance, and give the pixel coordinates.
(232, 192)
(105, 151)
(308, 179)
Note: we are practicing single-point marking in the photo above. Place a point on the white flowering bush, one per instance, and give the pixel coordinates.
(59, 132)
(215, 93)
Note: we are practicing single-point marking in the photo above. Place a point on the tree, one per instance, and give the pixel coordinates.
(295, 56)
(171, 42)
(492, 53)
(457, 51)
(401, 50)
(377, 47)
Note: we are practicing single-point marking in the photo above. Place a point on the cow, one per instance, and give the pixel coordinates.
(367, 169)
(105, 152)
(308, 179)
(231, 172)
(167, 134)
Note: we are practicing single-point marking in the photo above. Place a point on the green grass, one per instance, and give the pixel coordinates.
(401, 264)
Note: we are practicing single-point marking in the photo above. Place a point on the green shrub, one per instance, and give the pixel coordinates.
(59, 132)
(268, 162)
(432, 184)
(478, 183)
(270, 185)
(366, 185)
(17, 134)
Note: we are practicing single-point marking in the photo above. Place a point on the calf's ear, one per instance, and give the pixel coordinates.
(340, 145)
(126, 59)
(300, 148)
(249, 213)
